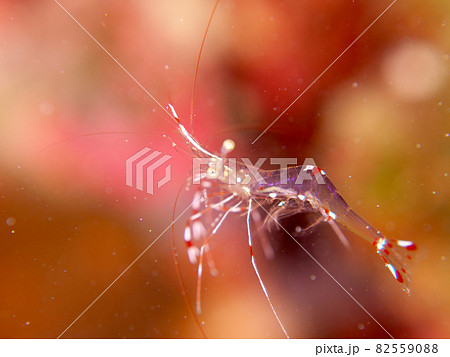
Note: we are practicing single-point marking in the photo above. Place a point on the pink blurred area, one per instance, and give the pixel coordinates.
(376, 122)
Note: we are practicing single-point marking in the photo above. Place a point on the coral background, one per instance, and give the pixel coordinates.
(376, 122)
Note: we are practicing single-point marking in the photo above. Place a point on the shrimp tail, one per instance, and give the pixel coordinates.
(394, 253)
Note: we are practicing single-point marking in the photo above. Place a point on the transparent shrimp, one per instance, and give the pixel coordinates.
(281, 194)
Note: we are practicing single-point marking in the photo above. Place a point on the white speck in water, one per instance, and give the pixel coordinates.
(166, 67)
(443, 258)
(10, 221)
(440, 104)
(434, 192)
(418, 146)
(46, 108)
(313, 277)
(361, 326)
(27, 323)
(355, 84)
(298, 229)
(447, 135)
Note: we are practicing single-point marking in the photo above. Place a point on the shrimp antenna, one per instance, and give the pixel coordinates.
(87, 135)
(177, 121)
(324, 71)
(194, 83)
(177, 268)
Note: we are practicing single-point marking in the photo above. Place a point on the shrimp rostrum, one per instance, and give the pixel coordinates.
(224, 186)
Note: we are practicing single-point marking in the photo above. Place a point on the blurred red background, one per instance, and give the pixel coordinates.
(376, 122)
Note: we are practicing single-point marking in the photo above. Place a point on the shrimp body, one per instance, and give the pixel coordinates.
(308, 189)
(227, 186)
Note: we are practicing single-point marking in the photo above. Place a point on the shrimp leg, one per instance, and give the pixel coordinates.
(255, 268)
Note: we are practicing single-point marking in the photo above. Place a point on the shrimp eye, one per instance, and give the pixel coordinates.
(212, 173)
(227, 146)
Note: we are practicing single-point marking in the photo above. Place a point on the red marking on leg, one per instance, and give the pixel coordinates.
(386, 252)
(399, 276)
(411, 247)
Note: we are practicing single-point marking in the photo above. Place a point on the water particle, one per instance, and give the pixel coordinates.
(418, 146)
(298, 229)
(443, 258)
(355, 84)
(440, 104)
(313, 277)
(434, 192)
(46, 108)
(166, 67)
(361, 326)
(10, 221)
(27, 323)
